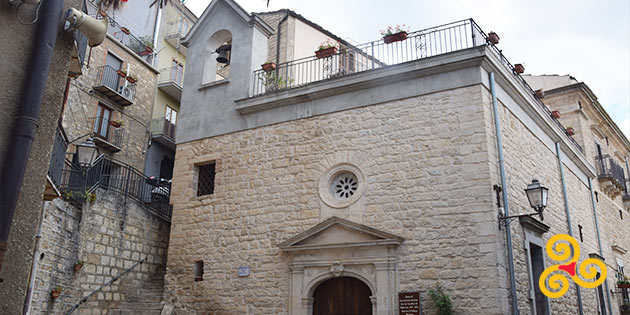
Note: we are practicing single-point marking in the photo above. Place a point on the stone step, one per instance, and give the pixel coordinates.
(133, 312)
(144, 298)
(140, 306)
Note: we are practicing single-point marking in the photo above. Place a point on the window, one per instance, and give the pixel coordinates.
(170, 119)
(600, 298)
(205, 181)
(541, 305)
(102, 122)
(198, 270)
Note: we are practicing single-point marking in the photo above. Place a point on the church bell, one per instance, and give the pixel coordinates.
(224, 54)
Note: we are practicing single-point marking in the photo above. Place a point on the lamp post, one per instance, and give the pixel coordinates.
(87, 152)
(537, 196)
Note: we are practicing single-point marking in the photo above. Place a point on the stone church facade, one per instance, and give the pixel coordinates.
(390, 176)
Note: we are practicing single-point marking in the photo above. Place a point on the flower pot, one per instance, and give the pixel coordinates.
(114, 124)
(131, 79)
(121, 73)
(269, 66)
(540, 93)
(555, 114)
(623, 285)
(125, 30)
(55, 293)
(77, 267)
(518, 68)
(326, 52)
(147, 51)
(102, 13)
(388, 39)
(493, 38)
(570, 131)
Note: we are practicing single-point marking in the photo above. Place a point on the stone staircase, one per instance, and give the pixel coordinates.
(145, 301)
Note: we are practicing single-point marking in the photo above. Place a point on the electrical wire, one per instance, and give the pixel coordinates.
(17, 14)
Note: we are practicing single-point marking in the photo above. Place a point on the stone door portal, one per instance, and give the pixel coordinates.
(342, 296)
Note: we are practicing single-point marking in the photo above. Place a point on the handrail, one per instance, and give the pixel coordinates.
(83, 300)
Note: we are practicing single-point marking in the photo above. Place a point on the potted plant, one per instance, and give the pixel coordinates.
(148, 45)
(623, 284)
(56, 292)
(625, 308)
(131, 79)
(78, 265)
(540, 93)
(122, 73)
(570, 131)
(88, 196)
(519, 68)
(555, 114)
(102, 13)
(493, 38)
(269, 66)
(116, 123)
(326, 49)
(391, 34)
(125, 30)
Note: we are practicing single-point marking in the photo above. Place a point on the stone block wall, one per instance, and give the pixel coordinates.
(110, 236)
(428, 180)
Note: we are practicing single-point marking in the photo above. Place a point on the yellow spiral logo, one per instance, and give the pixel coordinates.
(554, 283)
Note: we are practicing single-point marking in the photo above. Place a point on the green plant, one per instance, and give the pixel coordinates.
(80, 262)
(442, 300)
(272, 81)
(58, 288)
(147, 41)
(88, 196)
(327, 44)
(398, 29)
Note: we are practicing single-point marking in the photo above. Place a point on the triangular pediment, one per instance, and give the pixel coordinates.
(336, 232)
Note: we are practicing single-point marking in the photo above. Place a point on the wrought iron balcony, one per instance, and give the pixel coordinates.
(171, 81)
(377, 54)
(140, 46)
(611, 176)
(174, 32)
(163, 132)
(106, 134)
(111, 83)
(120, 178)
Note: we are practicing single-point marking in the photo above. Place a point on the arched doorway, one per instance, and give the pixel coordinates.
(342, 296)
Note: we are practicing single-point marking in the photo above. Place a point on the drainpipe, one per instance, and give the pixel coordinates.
(36, 253)
(278, 37)
(568, 213)
(508, 231)
(599, 240)
(26, 121)
(627, 179)
(156, 28)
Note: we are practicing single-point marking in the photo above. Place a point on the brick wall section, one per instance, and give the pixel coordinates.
(267, 191)
(82, 105)
(110, 237)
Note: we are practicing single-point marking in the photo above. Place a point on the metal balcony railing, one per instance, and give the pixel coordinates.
(377, 54)
(58, 157)
(176, 28)
(123, 179)
(173, 75)
(107, 134)
(607, 168)
(162, 126)
(112, 83)
(140, 46)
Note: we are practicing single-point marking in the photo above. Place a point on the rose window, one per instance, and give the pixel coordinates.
(344, 185)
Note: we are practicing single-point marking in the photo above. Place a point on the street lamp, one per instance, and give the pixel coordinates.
(537, 196)
(87, 152)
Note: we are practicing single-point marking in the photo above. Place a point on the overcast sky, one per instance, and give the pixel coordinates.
(588, 39)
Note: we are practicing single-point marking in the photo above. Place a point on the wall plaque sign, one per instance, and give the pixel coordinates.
(243, 271)
(409, 303)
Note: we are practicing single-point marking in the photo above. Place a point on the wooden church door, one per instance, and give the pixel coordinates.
(342, 296)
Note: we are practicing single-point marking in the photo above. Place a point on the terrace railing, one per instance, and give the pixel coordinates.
(104, 132)
(607, 168)
(116, 87)
(172, 74)
(162, 126)
(377, 54)
(123, 179)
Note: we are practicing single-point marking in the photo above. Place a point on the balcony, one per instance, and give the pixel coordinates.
(163, 132)
(114, 86)
(106, 136)
(174, 33)
(170, 81)
(140, 46)
(377, 54)
(611, 176)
